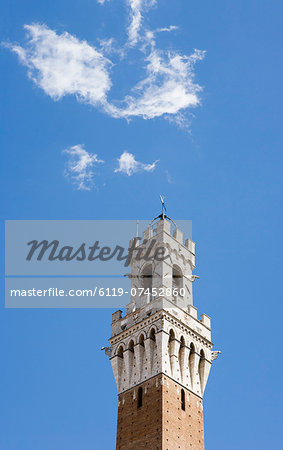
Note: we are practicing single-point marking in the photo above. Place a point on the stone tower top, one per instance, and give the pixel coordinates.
(160, 352)
(161, 311)
(166, 275)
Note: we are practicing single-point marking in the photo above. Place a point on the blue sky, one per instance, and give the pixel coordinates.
(213, 152)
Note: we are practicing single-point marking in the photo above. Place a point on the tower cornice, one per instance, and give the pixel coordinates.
(162, 314)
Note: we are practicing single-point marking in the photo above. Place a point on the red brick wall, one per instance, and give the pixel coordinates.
(160, 424)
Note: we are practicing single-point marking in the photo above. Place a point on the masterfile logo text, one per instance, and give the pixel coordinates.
(62, 263)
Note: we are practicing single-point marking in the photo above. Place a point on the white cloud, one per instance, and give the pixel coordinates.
(167, 29)
(149, 36)
(167, 89)
(61, 64)
(79, 168)
(136, 9)
(128, 165)
(136, 18)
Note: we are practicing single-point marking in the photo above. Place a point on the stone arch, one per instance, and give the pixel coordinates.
(192, 357)
(152, 334)
(171, 348)
(201, 367)
(141, 338)
(153, 356)
(120, 364)
(192, 346)
(131, 358)
(141, 353)
(131, 345)
(172, 337)
(181, 357)
(120, 350)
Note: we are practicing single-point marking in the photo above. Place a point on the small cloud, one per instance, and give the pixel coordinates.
(167, 29)
(61, 64)
(79, 168)
(128, 165)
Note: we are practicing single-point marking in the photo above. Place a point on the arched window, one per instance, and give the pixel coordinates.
(177, 278)
(131, 345)
(171, 342)
(142, 355)
(182, 356)
(131, 358)
(146, 277)
(192, 363)
(183, 400)
(152, 334)
(121, 362)
(120, 352)
(201, 368)
(141, 340)
(139, 397)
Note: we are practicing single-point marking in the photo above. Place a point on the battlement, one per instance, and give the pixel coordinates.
(149, 342)
(164, 226)
(122, 323)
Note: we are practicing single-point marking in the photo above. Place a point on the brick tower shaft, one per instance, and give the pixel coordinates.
(164, 421)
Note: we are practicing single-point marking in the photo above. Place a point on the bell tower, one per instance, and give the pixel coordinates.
(161, 353)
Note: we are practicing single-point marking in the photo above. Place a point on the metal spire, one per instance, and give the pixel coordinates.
(163, 216)
(163, 206)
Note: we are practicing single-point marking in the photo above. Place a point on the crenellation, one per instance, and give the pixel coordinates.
(193, 311)
(178, 235)
(147, 234)
(163, 226)
(190, 245)
(206, 321)
(117, 315)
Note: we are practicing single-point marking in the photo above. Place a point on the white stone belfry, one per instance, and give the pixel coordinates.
(160, 332)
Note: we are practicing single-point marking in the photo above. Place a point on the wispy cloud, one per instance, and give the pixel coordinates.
(128, 165)
(167, 89)
(79, 168)
(167, 29)
(136, 9)
(61, 64)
